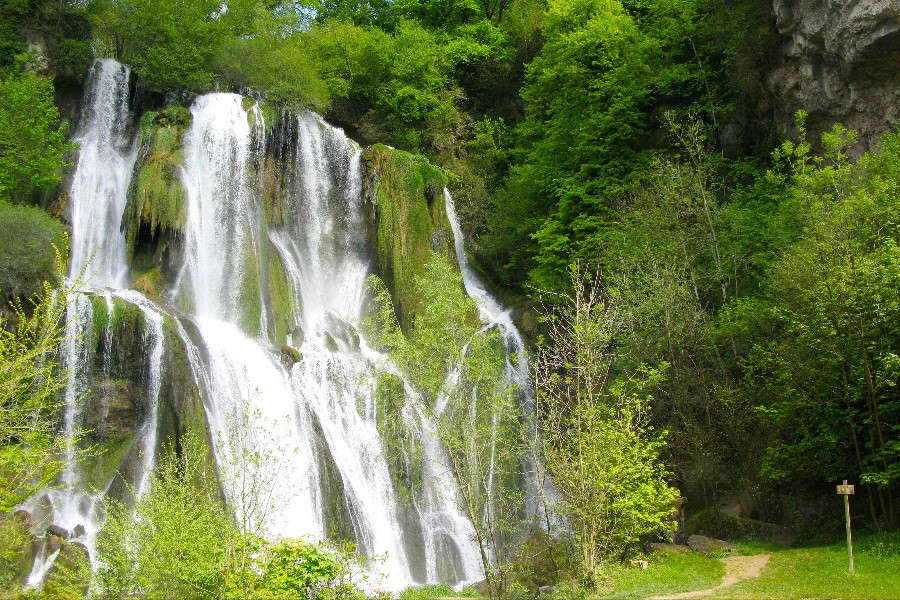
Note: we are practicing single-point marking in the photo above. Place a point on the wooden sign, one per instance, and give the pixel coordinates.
(845, 491)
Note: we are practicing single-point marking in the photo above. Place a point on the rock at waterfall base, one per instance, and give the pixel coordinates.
(703, 544)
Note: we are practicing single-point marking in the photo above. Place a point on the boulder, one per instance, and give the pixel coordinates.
(291, 355)
(704, 545)
(546, 589)
(54, 529)
(721, 524)
(78, 531)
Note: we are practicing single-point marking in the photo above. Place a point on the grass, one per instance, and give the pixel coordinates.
(821, 572)
(668, 573)
(444, 590)
(814, 572)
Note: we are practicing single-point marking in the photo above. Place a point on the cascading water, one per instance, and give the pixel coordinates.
(539, 490)
(100, 186)
(331, 458)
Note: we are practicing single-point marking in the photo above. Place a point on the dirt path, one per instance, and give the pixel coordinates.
(737, 568)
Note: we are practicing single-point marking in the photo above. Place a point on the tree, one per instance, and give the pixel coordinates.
(32, 141)
(456, 365)
(179, 540)
(599, 451)
(828, 379)
(170, 43)
(32, 451)
(584, 94)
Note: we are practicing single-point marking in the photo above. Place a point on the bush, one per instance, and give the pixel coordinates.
(27, 258)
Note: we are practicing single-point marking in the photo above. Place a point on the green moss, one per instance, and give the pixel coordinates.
(283, 304)
(409, 207)
(157, 200)
(99, 319)
(249, 300)
(101, 464)
(402, 450)
(127, 316)
(150, 283)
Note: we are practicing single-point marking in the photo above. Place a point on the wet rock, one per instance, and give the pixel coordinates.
(112, 409)
(330, 343)
(291, 355)
(54, 529)
(342, 332)
(23, 519)
(78, 531)
(703, 544)
(71, 569)
(297, 337)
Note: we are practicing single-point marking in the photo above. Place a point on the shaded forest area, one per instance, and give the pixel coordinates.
(754, 272)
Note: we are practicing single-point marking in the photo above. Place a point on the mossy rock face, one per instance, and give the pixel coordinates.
(284, 305)
(151, 284)
(718, 524)
(156, 211)
(406, 221)
(402, 449)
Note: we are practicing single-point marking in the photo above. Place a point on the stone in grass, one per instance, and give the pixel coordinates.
(704, 545)
(546, 589)
(636, 564)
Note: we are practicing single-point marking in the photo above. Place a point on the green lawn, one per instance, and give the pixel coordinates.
(815, 572)
(668, 573)
(821, 573)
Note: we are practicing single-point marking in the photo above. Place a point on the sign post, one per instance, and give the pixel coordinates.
(846, 491)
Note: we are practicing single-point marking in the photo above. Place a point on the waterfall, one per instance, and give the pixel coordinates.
(539, 490)
(313, 417)
(100, 185)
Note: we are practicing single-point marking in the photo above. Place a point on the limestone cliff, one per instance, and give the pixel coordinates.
(839, 62)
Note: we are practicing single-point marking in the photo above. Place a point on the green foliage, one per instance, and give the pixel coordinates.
(585, 94)
(178, 540)
(455, 365)
(32, 141)
(31, 450)
(27, 260)
(599, 449)
(827, 378)
(171, 44)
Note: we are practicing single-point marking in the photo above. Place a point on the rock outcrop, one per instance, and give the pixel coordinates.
(839, 64)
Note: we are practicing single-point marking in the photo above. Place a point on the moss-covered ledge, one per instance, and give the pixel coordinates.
(155, 215)
(406, 220)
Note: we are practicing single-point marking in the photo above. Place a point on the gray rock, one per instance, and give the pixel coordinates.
(546, 589)
(703, 544)
(839, 63)
(54, 529)
(78, 531)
